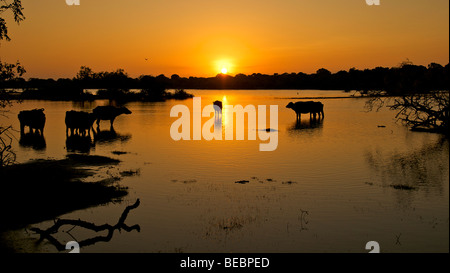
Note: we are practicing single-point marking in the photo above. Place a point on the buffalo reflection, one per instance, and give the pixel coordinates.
(83, 144)
(33, 140)
(307, 124)
(79, 143)
(110, 136)
(218, 124)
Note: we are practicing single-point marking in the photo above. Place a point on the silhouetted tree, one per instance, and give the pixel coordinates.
(180, 94)
(419, 95)
(420, 111)
(15, 6)
(428, 112)
(8, 72)
(85, 73)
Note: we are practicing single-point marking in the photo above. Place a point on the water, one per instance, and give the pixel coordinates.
(328, 187)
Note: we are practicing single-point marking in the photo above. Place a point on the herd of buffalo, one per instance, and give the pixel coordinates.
(77, 122)
(81, 123)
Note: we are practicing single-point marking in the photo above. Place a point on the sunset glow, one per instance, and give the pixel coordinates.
(277, 37)
(223, 66)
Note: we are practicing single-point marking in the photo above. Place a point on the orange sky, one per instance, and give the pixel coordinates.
(199, 37)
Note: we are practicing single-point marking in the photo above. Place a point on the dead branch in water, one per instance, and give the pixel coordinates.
(47, 234)
(424, 112)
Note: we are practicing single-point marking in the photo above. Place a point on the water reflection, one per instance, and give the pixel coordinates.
(308, 124)
(84, 143)
(33, 140)
(79, 143)
(326, 159)
(51, 232)
(220, 114)
(110, 136)
(420, 169)
(309, 127)
(84, 105)
(218, 125)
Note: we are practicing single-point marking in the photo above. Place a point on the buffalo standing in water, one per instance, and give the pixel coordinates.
(218, 107)
(79, 122)
(35, 119)
(109, 113)
(304, 107)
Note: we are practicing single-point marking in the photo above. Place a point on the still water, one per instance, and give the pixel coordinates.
(330, 186)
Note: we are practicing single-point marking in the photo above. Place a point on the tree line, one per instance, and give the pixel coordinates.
(396, 80)
(407, 78)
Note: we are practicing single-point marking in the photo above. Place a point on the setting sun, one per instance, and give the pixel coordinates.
(224, 66)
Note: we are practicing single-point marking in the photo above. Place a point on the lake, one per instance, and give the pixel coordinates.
(330, 186)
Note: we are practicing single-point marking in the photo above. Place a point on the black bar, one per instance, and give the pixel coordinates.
(272, 262)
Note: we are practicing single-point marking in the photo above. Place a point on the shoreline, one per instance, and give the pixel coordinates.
(36, 191)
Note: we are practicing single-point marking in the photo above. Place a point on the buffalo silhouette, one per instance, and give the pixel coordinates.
(305, 107)
(109, 113)
(34, 119)
(79, 122)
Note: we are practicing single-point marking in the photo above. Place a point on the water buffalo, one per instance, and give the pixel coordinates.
(34, 119)
(109, 113)
(218, 109)
(218, 103)
(304, 107)
(79, 122)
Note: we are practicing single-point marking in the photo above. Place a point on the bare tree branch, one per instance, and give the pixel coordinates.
(425, 112)
(47, 234)
(7, 156)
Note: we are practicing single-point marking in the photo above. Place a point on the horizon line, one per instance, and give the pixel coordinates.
(235, 74)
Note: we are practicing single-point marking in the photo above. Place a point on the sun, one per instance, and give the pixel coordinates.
(223, 66)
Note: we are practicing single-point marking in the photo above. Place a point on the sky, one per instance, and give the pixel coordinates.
(201, 37)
